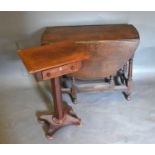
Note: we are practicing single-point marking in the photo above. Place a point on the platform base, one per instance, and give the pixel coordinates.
(55, 124)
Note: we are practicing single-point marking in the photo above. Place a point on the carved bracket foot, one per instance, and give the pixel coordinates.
(127, 96)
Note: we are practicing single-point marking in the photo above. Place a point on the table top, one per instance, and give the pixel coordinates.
(90, 33)
(49, 56)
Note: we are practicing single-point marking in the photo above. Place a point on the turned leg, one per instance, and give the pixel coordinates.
(129, 81)
(74, 91)
(122, 74)
(111, 82)
(62, 115)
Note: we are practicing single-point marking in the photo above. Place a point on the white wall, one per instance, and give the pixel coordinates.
(24, 29)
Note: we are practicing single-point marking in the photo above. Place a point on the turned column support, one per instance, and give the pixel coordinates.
(57, 98)
(63, 115)
(73, 91)
(129, 80)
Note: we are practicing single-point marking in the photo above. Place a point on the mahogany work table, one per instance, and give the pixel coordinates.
(49, 62)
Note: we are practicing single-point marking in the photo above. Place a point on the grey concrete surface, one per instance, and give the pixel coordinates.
(106, 117)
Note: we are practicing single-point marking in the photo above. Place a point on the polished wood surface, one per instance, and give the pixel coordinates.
(51, 56)
(89, 33)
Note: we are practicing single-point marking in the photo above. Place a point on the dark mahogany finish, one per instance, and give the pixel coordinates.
(89, 33)
(50, 62)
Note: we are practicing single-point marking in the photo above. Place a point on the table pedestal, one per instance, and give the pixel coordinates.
(62, 115)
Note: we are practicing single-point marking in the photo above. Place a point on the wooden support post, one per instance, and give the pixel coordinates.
(74, 91)
(129, 81)
(57, 98)
(62, 116)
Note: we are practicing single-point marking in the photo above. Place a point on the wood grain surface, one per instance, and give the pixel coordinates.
(49, 56)
(90, 33)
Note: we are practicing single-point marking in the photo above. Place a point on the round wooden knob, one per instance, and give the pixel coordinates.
(60, 68)
(72, 67)
(48, 74)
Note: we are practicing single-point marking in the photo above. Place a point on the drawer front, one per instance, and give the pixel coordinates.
(62, 70)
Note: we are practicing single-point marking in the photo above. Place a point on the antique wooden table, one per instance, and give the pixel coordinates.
(112, 49)
(51, 62)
